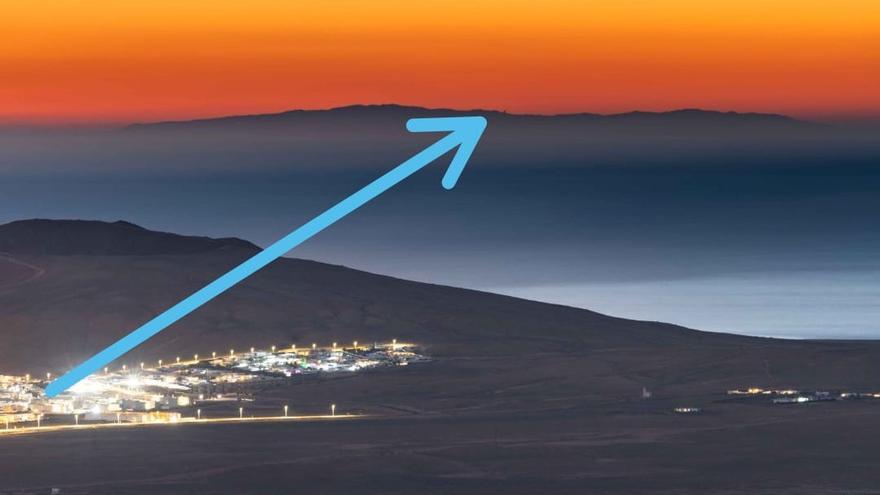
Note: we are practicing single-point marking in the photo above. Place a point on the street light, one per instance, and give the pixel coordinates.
(48, 376)
(273, 348)
(178, 359)
(355, 345)
(39, 419)
(142, 366)
(198, 414)
(285, 410)
(240, 413)
(117, 419)
(314, 346)
(160, 363)
(124, 367)
(76, 419)
(213, 354)
(332, 409)
(252, 350)
(27, 377)
(231, 352)
(195, 357)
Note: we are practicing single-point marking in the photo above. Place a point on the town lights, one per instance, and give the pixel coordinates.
(195, 357)
(132, 382)
(178, 359)
(231, 352)
(185, 387)
(252, 350)
(213, 355)
(273, 348)
(355, 344)
(314, 346)
(27, 377)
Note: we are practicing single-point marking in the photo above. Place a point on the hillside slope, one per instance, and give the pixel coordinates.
(100, 280)
(73, 305)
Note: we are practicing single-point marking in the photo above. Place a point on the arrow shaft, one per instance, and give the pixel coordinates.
(253, 264)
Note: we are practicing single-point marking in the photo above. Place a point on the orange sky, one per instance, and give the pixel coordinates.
(136, 60)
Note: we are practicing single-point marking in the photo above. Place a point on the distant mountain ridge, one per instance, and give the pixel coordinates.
(395, 111)
(87, 237)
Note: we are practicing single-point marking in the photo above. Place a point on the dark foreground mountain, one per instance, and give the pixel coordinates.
(74, 287)
(521, 397)
(70, 288)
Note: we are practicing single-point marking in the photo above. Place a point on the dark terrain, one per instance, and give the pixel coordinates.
(521, 397)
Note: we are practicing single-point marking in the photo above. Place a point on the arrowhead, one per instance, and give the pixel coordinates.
(465, 133)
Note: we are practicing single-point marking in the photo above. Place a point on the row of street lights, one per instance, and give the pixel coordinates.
(286, 412)
(273, 348)
(198, 416)
(214, 356)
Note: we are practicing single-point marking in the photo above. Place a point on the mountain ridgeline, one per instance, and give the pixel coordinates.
(354, 116)
(82, 237)
(371, 136)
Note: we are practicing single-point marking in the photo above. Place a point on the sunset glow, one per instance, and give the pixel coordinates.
(103, 61)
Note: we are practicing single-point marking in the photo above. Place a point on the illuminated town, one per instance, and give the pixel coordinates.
(792, 396)
(780, 397)
(172, 391)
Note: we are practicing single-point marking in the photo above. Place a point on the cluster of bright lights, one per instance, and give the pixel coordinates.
(127, 393)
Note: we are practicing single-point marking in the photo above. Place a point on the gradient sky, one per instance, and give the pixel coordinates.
(110, 61)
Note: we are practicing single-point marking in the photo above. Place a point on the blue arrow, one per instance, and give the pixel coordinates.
(464, 133)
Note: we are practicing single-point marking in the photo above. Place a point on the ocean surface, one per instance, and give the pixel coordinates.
(801, 305)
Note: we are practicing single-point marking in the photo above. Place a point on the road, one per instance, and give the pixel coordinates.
(30, 430)
(37, 273)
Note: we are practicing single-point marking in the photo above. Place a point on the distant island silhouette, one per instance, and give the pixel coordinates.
(391, 110)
